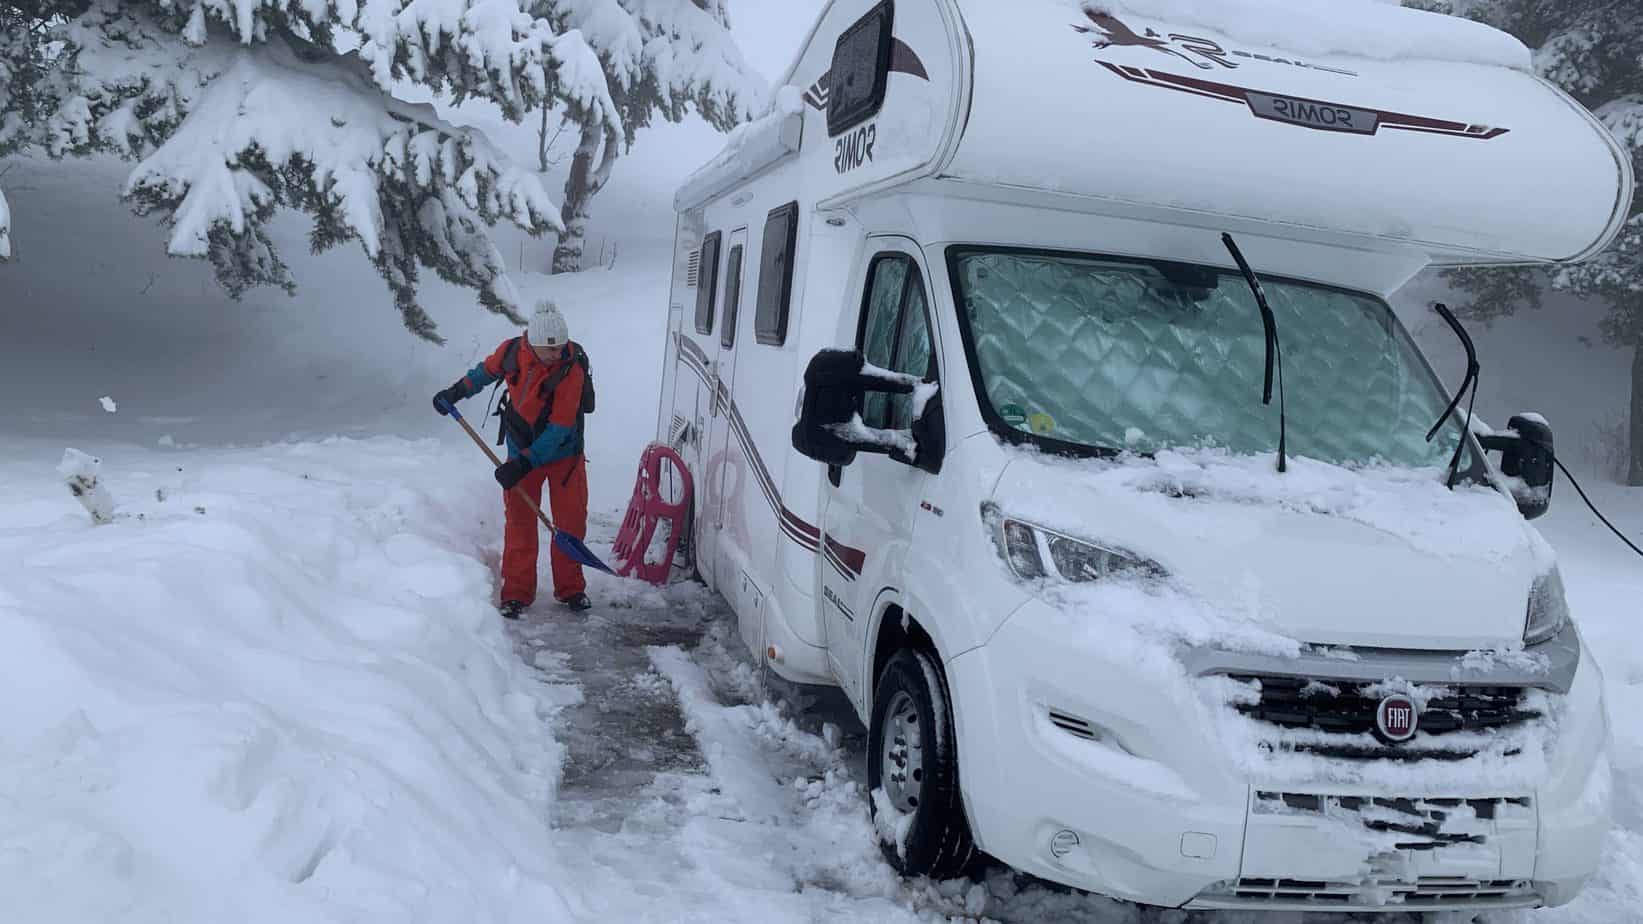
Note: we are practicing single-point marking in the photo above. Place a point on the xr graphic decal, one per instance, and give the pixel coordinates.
(1206, 54)
(1306, 113)
(1202, 53)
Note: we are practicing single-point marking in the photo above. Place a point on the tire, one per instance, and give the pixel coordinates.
(912, 771)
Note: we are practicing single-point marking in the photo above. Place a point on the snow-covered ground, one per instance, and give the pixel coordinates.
(273, 688)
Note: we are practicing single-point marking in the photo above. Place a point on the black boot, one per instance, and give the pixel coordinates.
(578, 602)
(511, 609)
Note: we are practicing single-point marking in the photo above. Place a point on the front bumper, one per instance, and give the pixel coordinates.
(1096, 768)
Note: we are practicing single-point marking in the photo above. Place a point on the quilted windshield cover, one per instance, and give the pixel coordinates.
(1113, 354)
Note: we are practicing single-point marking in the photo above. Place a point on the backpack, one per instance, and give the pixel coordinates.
(513, 423)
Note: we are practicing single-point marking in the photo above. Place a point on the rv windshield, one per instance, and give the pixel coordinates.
(1098, 354)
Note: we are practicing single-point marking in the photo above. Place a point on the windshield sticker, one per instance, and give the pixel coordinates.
(1041, 424)
(1322, 115)
(1201, 53)
(1014, 414)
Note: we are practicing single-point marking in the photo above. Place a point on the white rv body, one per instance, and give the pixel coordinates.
(1041, 127)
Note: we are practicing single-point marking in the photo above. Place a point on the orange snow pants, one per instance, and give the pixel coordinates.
(567, 483)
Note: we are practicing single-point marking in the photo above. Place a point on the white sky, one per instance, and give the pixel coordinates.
(770, 31)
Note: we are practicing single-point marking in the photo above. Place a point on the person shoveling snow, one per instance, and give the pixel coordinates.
(550, 392)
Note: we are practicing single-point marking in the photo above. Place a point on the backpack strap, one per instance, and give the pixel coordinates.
(510, 358)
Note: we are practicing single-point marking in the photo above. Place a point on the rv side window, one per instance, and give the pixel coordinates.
(861, 70)
(895, 335)
(707, 283)
(781, 235)
(733, 297)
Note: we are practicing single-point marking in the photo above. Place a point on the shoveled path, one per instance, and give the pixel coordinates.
(628, 728)
(697, 788)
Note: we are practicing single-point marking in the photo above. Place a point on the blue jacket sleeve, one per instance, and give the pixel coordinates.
(478, 378)
(554, 444)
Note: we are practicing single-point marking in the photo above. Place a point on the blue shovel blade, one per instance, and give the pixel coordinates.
(578, 552)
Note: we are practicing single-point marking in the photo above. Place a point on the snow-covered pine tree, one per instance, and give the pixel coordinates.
(30, 80)
(1593, 49)
(662, 58)
(236, 108)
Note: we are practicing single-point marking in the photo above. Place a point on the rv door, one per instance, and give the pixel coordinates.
(727, 465)
(871, 504)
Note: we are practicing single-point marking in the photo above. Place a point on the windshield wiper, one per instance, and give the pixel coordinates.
(1274, 352)
(1469, 382)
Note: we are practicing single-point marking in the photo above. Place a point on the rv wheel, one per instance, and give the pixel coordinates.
(912, 770)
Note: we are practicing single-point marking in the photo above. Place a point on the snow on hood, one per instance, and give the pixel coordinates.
(1285, 564)
(1321, 554)
(1359, 28)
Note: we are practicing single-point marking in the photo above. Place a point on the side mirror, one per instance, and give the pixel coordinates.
(1526, 458)
(830, 429)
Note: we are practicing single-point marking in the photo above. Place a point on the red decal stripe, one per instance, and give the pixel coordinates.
(1235, 94)
(795, 527)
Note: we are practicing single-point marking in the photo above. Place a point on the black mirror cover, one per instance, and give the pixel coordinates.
(930, 435)
(1527, 456)
(831, 395)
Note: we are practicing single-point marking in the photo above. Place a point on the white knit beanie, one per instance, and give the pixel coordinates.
(548, 328)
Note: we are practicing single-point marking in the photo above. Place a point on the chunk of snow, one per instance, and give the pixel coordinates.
(892, 824)
(1357, 28)
(923, 394)
(857, 431)
(790, 100)
(751, 148)
(1490, 659)
(81, 472)
(108, 404)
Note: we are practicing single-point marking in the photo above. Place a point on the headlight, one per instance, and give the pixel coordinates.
(1034, 552)
(1548, 609)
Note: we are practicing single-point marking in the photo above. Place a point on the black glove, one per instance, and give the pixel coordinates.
(448, 398)
(511, 473)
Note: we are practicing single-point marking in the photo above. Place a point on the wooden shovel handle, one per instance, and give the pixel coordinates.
(496, 462)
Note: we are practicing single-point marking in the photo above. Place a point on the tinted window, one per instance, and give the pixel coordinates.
(915, 352)
(733, 296)
(707, 283)
(886, 284)
(776, 257)
(895, 335)
(861, 70)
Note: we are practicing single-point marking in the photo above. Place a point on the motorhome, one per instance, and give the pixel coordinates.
(1036, 372)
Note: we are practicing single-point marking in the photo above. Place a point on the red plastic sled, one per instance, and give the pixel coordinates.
(649, 509)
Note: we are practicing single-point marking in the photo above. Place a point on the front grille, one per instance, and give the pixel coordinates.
(1344, 713)
(1420, 824)
(1425, 892)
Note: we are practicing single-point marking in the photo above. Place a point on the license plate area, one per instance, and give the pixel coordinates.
(1379, 842)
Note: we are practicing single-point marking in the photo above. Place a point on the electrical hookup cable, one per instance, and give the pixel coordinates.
(1596, 512)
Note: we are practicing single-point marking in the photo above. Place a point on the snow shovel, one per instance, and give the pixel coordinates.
(565, 542)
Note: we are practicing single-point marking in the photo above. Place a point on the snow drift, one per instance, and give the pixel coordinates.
(273, 689)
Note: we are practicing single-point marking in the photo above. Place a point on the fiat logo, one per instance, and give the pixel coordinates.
(1396, 718)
